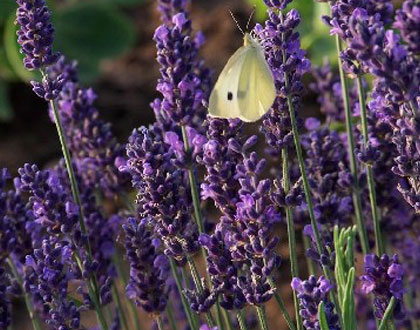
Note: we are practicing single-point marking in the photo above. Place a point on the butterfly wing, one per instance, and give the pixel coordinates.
(256, 91)
(223, 99)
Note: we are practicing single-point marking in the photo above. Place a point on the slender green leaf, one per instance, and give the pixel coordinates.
(348, 309)
(322, 318)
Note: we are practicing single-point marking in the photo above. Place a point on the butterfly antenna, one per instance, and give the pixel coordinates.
(236, 21)
(250, 17)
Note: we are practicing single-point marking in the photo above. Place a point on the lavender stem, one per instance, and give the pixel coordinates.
(187, 309)
(133, 310)
(370, 179)
(361, 229)
(35, 322)
(116, 296)
(199, 287)
(169, 312)
(282, 307)
(159, 323)
(241, 321)
(261, 317)
(291, 235)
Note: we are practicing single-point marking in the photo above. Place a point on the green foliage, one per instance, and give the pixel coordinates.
(90, 32)
(312, 30)
(322, 318)
(7, 7)
(5, 108)
(13, 55)
(345, 274)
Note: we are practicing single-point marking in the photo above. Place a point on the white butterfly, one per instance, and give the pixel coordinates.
(245, 88)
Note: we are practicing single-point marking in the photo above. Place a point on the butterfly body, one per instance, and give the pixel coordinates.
(245, 88)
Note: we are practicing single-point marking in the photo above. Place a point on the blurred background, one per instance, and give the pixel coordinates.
(112, 41)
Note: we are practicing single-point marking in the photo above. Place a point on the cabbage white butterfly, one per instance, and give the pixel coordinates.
(245, 89)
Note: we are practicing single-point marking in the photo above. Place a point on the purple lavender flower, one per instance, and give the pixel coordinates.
(328, 88)
(223, 271)
(95, 150)
(147, 281)
(328, 176)
(36, 34)
(384, 278)
(5, 303)
(35, 37)
(184, 82)
(52, 206)
(46, 279)
(310, 294)
(54, 209)
(220, 162)
(163, 195)
(17, 227)
(284, 56)
(407, 20)
(251, 240)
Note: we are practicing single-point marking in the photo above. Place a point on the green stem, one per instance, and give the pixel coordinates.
(261, 317)
(187, 309)
(193, 185)
(70, 170)
(92, 288)
(121, 274)
(120, 307)
(282, 307)
(171, 319)
(291, 235)
(370, 179)
(77, 199)
(197, 213)
(241, 321)
(199, 287)
(159, 322)
(361, 228)
(34, 320)
(387, 314)
(226, 318)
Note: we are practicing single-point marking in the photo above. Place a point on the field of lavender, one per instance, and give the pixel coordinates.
(179, 227)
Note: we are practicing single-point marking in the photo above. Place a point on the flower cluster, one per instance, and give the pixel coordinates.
(16, 225)
(162, 192)
(5, 304)
(328, 175)
(35, 36)
(384, 278)
(147, 280)
(407, 20)
(46, 279)
(288, 64)
(311, 293)
(184, 81)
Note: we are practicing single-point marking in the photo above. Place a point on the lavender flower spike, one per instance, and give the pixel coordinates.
(147, 281)
(46, 279)
(36, 34)
(310, 293)
(384, 278)
(35, 37)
